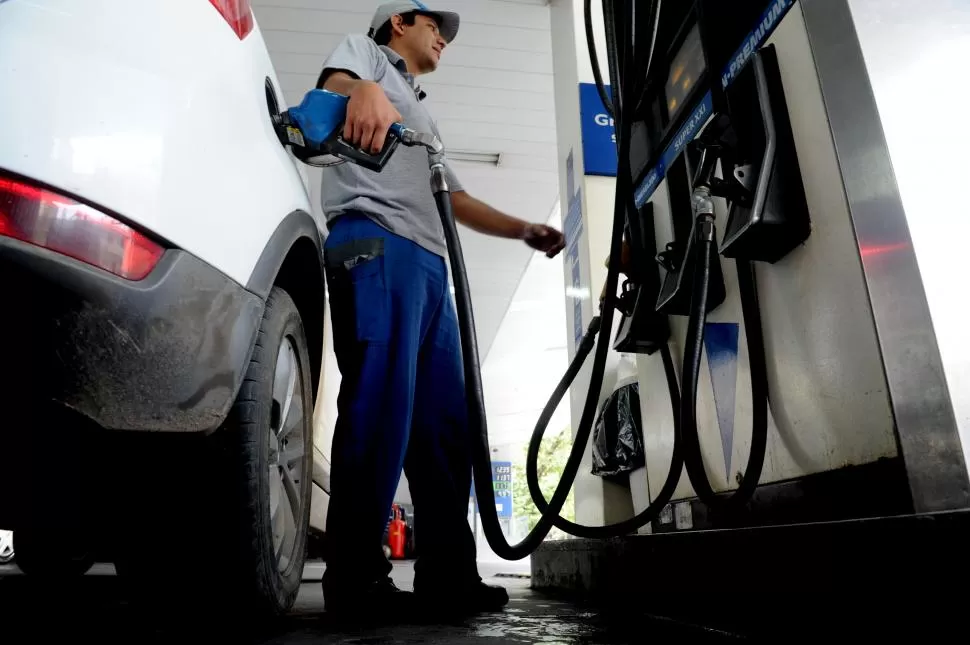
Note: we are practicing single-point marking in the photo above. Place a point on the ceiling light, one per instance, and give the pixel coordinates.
(471, 156)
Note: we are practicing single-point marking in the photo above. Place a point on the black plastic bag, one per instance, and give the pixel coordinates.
(618, 436)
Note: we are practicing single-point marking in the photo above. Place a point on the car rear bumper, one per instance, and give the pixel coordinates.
(165, 354)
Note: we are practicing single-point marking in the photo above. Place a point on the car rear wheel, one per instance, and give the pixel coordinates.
(270, 432)
(239, 504)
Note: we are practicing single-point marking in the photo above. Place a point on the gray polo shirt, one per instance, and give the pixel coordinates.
(399, 197)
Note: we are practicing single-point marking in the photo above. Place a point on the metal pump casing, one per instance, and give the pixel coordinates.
(833, 408)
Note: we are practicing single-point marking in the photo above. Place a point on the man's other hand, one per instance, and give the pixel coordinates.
(544, 239)
(370, 115)
(483, 218)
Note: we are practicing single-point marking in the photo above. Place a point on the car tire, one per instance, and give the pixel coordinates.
(42, 555)
(227, 548)
(268, 437)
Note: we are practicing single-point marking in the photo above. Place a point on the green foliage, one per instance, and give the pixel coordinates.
(553, 455)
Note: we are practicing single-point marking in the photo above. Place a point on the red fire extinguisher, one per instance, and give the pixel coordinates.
(397, 534)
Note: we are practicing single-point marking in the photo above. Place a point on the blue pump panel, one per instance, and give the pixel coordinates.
(599, 132)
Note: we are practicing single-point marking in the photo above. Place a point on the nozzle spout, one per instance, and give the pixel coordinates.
(411, 137)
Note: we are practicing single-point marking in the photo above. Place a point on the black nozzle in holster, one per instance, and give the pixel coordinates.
(680, 259)
(695, 171)
(769, 213)
(676, 292)
(642, 329)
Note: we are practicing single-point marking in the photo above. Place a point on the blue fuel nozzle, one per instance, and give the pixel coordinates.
(314, 129)
(319, 116)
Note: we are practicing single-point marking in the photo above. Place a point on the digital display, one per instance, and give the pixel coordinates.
(685, 71)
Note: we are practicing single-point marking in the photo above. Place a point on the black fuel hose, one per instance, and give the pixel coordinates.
(693, 348)
(693, 458)
(481, 453)
(686, 445)
(751, 312)
(659, 502)
(705, 235)
(473, 384)
(594, 59)
(653, 510)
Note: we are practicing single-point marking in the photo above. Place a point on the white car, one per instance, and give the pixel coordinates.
(162, 299)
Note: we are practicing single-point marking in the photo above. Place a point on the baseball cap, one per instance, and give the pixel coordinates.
(448, 25)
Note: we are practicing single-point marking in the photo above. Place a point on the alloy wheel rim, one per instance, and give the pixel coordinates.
(286, 452)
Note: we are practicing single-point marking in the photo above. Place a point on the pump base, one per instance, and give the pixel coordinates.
(877, 489)
(887, 573)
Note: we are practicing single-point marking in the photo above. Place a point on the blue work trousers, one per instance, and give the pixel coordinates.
(401, 406)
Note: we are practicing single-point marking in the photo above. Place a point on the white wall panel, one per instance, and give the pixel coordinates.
(472, 95)
(458, 56)
(498, 116)
(336, 23)
(488, 12)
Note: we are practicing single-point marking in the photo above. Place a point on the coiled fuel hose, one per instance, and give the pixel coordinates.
(686, 444)
(472, 371)
(705, 234)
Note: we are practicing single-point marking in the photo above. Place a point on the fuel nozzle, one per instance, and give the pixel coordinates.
(314, 131)
(719, 142)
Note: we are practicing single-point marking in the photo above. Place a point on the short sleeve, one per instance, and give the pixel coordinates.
(358, 55)
(454, 184)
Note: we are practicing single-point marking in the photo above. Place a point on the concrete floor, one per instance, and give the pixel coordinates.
(95, 609)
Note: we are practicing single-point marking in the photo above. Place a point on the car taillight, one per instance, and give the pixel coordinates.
(54, 222)
(238, 13)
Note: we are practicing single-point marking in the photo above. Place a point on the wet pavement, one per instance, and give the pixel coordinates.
(95, 608)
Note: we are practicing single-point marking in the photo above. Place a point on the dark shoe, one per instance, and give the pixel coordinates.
(462, 600)
(378, 601)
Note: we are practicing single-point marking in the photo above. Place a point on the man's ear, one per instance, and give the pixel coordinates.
(397, 25)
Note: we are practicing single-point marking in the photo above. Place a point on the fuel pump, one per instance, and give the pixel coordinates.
(743, 153)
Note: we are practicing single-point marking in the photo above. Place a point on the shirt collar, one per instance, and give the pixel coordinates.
(401, 65)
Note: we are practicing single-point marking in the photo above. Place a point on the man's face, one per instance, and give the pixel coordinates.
(425, 43)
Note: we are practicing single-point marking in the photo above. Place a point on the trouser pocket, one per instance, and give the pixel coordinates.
(359, 297)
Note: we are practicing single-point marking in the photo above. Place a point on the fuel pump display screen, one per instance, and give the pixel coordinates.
(686, 69)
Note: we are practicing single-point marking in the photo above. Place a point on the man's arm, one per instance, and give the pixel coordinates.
(481, 217)
(341, 82)
(370, 113)
(353, 69)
